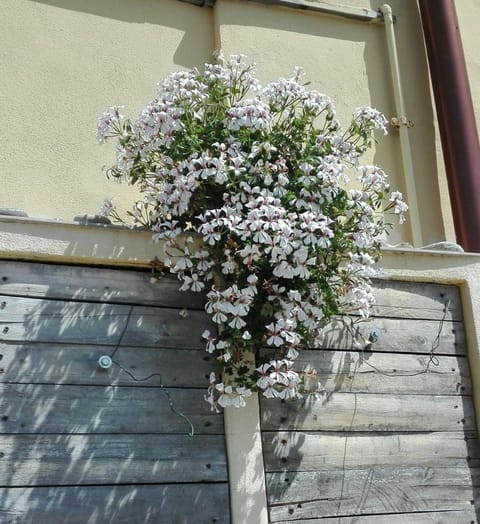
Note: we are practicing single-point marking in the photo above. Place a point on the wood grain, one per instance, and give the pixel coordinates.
(466, 516)
(38, 320)
(46, 460)
(197, 503)
(368, 491)
(312, 451)
(393, 438)
(399, 335)
(66, 409)
(78, 364)
(80, 444)
(417, 300)
(370, 412)
(397, 373)
(94, 284)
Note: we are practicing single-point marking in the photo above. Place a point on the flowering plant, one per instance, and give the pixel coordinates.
(247, 187)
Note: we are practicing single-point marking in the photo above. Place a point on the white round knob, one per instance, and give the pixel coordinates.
(105, 362)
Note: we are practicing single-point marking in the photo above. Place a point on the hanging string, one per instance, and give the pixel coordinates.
(344, 460)
(432, 360)
(144, 379)
(122, 334)
(164, 390)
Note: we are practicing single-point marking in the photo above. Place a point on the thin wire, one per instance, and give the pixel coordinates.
(164, 390)
(122, 334)
(432, 360)
(344, 461)
(144, 379)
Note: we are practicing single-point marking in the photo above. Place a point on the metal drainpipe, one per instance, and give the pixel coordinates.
(403, 125)
(456, 118)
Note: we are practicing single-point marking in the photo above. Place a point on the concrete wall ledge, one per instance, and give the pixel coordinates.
(74, 243)
(77, 243)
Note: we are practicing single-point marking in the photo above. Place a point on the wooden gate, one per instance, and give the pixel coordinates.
(84, 444)
(393, 438)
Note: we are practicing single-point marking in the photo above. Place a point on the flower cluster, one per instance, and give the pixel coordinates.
(247, 187)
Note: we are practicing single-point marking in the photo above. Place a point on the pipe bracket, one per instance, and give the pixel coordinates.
(401, 121)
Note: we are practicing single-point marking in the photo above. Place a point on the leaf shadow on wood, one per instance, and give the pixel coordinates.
(395, 432)
(283, 450)
(83, 444)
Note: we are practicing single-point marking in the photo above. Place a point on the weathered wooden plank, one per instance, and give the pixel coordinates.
(417, 300)
(51, 320)
(394, 298)
(400, 335)
(46, 460)
(161, 504)
(28, 408)
(336, 371)
(31, 319)
(466, 516)
(312, 451)
(94, 284)
(304, 495)
(78, 364)
(399, 373)
(370, 412)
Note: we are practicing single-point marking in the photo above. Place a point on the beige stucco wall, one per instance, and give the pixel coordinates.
(64, 61)
(348, 61)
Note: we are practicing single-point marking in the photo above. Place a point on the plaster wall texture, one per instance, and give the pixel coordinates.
(64, 61)
(348, 60)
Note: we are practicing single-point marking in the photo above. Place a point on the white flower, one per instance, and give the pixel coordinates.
(400, 206)
(182, 264)
(253, 114)
(108, 122)
(288, 392)
(250, 254)
(370, 115)
(264, 371)
(274, 330)
(292, 353)
(229, 266)
(362, 299)
(237, 322)
(225, 398)
(270, 392)
(107, 207)
(210, 346)
(242, 393)
(194, 283)
(256, 201)
(246, 335)
(284, 270)
(218, 316)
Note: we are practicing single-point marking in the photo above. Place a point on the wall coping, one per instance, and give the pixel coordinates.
(29, 238)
